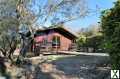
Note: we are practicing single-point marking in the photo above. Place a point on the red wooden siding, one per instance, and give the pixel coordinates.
(64, 42)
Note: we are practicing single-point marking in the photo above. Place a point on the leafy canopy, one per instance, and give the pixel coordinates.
(110, 23)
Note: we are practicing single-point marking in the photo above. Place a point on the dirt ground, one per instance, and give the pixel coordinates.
(63, 67)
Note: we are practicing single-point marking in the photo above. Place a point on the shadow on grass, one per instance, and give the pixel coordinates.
(80, 66)
(88, 67)
(3, 72)
(33, 71)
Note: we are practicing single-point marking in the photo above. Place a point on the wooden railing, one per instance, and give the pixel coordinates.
(73, 47)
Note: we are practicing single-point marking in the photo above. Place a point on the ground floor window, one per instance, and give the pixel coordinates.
(56, 41)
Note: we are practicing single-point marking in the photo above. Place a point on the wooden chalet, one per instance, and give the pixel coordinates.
(54, 39)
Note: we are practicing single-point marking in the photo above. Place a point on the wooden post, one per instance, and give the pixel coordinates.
(56, 44)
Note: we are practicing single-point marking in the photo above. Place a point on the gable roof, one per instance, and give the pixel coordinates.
(63, 31)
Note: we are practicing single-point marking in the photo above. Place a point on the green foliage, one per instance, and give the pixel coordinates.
(90, 37)
(110, 24)
(8, 36)
(81, 41)
(8, 27)
(95, 42)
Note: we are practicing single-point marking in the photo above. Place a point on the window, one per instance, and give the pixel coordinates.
(45, 41)
(56, 41)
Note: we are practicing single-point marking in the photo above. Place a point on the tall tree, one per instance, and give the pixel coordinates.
(110, 23)
(21, 13)
(8, 27)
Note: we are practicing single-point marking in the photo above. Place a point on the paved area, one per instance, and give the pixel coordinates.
(85, 53)
(79, 66)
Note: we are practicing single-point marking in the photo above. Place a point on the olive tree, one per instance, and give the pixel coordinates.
(17, 13)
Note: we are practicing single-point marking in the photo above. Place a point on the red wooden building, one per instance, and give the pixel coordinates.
(52, 39)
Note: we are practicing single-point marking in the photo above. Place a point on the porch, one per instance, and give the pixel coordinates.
(50, 48)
